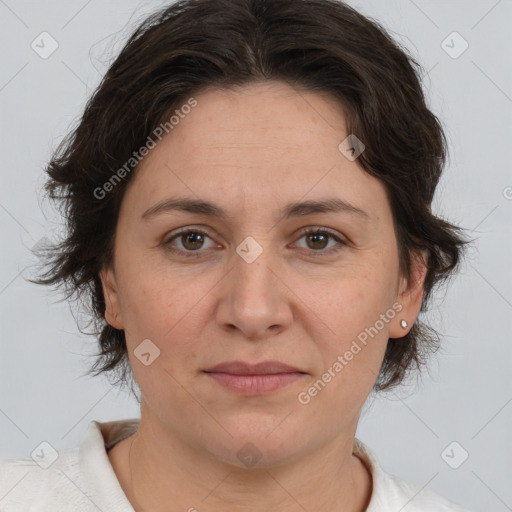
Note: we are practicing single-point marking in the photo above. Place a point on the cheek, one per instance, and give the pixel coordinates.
(357, 298)
(153, 297)
(357, 309)
(165, 309)
(351, 355)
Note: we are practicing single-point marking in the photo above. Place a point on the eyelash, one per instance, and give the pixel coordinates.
(313, 231)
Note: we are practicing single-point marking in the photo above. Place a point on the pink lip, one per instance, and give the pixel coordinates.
(249, 379)
(242, 368)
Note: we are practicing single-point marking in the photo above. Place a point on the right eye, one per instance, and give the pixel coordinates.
(191, 241)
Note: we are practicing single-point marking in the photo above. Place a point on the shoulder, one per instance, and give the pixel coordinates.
(418, 499)
(79, 479)
(391, 493)
(47, 479)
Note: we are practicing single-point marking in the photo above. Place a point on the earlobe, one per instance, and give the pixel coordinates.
(110, 293)
(410, 296)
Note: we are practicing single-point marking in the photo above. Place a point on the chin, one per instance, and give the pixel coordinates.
(258, 443)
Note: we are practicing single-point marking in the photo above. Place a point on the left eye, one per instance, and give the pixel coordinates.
(192, 240)
(319, 238)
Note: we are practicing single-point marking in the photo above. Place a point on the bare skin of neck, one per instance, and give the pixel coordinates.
(346, 490)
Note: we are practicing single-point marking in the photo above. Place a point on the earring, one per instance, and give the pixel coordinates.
(403, 323)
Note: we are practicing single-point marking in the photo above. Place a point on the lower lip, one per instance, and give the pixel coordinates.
(255, 384)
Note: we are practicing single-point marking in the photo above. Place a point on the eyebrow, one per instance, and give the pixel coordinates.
(209, 209)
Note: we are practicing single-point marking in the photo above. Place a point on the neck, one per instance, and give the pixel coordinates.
(171, 473)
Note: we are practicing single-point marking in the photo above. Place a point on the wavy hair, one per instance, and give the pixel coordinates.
(191, 45)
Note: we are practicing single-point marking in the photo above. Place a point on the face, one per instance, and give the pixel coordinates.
(254, 279)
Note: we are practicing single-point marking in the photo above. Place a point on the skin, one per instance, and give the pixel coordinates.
(252, 150)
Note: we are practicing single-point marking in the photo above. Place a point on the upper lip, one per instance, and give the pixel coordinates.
(243, 368)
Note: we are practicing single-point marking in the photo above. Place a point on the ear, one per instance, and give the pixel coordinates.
(410, 295)
(110, 293)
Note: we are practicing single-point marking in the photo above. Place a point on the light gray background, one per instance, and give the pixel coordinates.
(466, 397)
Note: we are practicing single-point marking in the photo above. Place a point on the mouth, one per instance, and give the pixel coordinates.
(254, 379)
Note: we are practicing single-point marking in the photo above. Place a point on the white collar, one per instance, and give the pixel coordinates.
(388, 491)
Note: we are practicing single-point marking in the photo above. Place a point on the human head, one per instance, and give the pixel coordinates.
(321, 46)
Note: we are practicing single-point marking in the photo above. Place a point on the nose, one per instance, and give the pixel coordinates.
(254, 298)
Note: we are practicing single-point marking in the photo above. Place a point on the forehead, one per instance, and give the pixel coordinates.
(257, 144)
(273, 114)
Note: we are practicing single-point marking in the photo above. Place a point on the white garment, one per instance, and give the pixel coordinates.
(81, 479)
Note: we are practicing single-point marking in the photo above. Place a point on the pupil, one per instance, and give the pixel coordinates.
(315, 236)
(196, 240)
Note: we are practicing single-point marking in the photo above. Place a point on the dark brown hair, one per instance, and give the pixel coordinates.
(315, 45)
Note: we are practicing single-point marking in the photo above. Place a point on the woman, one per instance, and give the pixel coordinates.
(248, 199)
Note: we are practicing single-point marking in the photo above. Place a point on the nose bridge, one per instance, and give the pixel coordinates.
(253, 279)
(254, 301)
